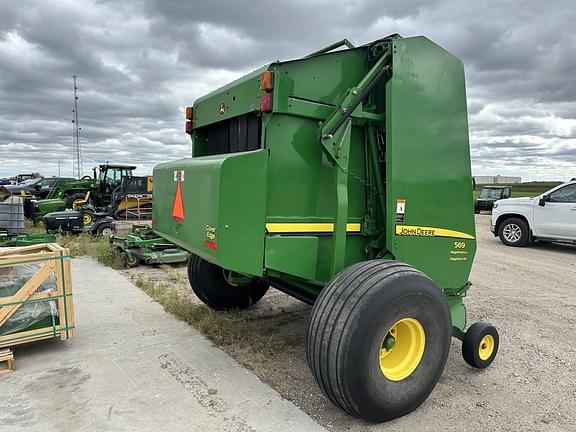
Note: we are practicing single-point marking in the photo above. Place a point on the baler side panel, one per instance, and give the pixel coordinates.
(224, 204)
(428, 163)
(301, 187)
(238, 97)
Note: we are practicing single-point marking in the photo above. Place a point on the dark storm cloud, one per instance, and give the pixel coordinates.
(141, 61)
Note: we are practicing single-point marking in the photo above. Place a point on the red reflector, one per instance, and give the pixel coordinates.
(210, 244)
(154, 222)
(266, 81)
(188, 126)
(266, 102)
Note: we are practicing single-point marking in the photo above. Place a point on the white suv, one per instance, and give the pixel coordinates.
(550, 216)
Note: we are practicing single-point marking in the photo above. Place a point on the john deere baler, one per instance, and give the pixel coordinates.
(343, 179)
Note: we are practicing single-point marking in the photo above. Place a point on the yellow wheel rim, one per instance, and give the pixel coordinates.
(402, 349)
(87, 219)
(486, 347)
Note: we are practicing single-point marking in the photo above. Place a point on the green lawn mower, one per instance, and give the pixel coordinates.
(142, 245)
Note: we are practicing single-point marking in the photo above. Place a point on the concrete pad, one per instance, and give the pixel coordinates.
(134, 367)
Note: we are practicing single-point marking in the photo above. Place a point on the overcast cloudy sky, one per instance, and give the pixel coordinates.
(140, 62)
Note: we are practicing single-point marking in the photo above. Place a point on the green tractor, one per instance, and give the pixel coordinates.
(91, 192)
(343, 179)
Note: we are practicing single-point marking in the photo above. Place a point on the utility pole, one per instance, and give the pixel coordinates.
(76, 150)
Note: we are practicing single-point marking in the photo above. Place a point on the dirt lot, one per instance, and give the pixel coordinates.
(529, 294)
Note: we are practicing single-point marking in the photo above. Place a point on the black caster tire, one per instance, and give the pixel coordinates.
(210, 285)
(480, 345)
(378, 339)
(128, 259)
(131, 260)
(105, 230)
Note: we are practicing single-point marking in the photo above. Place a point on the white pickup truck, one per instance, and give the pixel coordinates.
(550, 216)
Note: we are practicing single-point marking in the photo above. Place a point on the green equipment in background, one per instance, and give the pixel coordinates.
(142, 245)
(343, 179)
(26, 239)
(97, 191)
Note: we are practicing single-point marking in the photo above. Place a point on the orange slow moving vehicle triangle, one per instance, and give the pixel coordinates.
(178, 205)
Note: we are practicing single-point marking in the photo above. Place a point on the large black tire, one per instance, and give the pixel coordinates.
(73, 200)
(350, 326)
(514, 232)
(210, 285)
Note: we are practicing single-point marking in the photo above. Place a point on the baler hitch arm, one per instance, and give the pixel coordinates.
(335, 125)
(335, 136)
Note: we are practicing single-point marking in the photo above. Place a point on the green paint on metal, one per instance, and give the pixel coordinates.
(144, 245)
(428, 160)
(26, 239)
(239, 97)
(457, 311)
(295, 255)
(375, 135)
(224, 205)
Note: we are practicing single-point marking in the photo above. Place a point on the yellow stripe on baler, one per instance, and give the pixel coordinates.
(308, 227)
(423, 231)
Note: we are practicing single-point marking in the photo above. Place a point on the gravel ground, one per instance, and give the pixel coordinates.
(529, 294)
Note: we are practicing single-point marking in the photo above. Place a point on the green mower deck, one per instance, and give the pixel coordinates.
(142, 245)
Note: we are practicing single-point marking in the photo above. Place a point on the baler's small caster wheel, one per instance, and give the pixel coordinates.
(480, 345)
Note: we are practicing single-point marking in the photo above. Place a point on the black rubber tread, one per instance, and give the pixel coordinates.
(336, 311)
(103, 226)
(325, 305)
(337, 298)
(208, 283)
(471, 342)
(70, 200)
(131, 260)
(525, 237)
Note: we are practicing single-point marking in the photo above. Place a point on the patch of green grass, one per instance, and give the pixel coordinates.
(223, 328)
(528, 189)
(171, 273)
(30, 228)
(97, 247)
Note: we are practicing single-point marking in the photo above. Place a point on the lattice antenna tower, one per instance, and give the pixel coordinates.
(76, 147)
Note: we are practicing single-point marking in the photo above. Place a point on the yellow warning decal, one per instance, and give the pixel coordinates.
(308, 227)
(422, 231)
